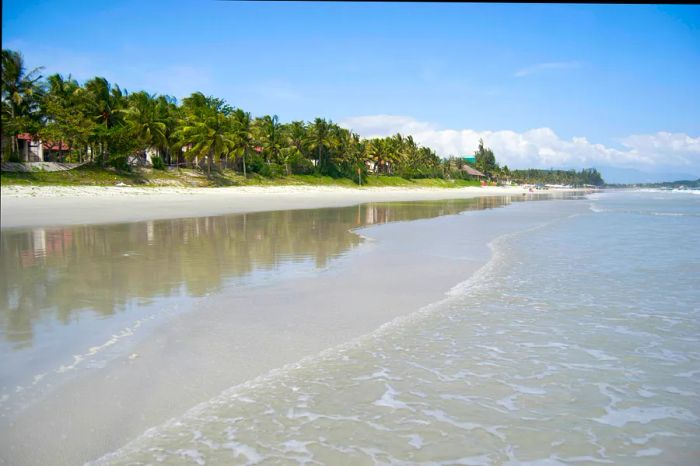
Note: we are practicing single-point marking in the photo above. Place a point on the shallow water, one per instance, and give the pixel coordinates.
(578, 343)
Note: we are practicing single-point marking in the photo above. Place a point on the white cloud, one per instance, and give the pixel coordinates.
(542, 147)
(540, 67)
(672, 149)
(371, 126)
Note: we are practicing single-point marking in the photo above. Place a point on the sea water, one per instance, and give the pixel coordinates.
(578, 343)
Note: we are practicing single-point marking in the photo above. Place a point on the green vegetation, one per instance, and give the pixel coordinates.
(113, 131)
(589, 176)
(186, 177)
(99, 123)
(680, 184)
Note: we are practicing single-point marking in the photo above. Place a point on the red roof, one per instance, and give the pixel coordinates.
(48, 145)
(62, 146)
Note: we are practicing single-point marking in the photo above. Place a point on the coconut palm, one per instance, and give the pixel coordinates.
(64, 112)
(270, 137)
(210, 135)
(144, 121)
(351, 154)
(242, 135)
(167, 112)
(374, 152)
(320, 140)
(296, 135)
(107, 108)
(20, 96)
(108, 101)
(206, 127)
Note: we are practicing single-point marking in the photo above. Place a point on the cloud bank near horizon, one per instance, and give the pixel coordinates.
(542, 147)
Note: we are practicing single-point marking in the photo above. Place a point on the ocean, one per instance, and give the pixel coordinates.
(577, 343)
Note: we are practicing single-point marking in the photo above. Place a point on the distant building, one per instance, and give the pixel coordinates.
(472, 171)
(469, 159)
(30, 148)
(33, 149)
(143, 158)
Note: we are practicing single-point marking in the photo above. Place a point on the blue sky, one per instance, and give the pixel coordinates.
(545, 85)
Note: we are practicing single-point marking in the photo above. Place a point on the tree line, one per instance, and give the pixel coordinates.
(102, 123)
(589, 176)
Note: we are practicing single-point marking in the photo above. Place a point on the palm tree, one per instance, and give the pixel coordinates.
(352, 156)
(397, 152)
(319, 139)
(167, 112)
(296, 135)
(20, 96)
(65, 120)
(144, 121)
(107, 108)
(210, 134)
(242, 135)
(377, 151)
(270, 136)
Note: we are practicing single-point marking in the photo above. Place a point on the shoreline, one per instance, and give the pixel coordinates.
(43, 206)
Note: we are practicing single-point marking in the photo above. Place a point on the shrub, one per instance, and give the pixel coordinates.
(255, 164)
(301, 165)
(120, 162)
(158, 163)
(273, 170)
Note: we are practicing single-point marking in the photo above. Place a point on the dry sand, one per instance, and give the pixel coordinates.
(31, 206)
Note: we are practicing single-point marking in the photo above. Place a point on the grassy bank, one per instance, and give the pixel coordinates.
(94, 176)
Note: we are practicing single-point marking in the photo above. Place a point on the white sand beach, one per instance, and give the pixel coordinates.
(27, 206)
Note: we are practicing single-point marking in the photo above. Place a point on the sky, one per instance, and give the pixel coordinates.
(546, 86)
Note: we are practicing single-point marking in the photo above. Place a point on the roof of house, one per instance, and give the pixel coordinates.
(472, 171)
(49, 145)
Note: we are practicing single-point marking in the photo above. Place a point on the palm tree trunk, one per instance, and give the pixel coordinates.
(245, 151)
(15, 145)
